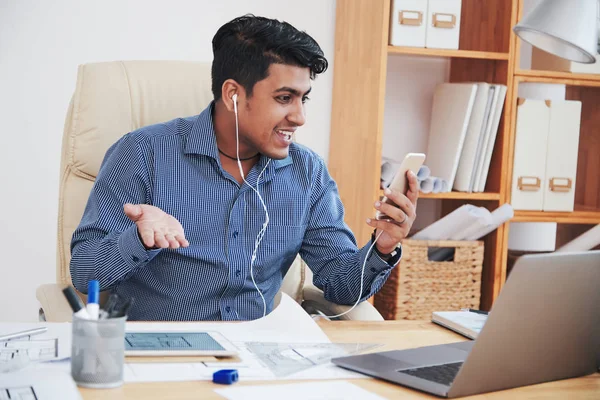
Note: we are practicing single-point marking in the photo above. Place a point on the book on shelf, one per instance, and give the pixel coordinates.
(464, 124)
(465, 322)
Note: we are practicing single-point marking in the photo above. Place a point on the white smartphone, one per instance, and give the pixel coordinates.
(412, 162)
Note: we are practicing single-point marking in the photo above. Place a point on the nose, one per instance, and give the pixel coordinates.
(297, 116)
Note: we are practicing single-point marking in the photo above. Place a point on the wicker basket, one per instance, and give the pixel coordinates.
(418, 286)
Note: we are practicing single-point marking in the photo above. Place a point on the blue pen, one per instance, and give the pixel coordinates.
(93, 308)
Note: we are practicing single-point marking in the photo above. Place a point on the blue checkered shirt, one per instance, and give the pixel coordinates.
(175, 166)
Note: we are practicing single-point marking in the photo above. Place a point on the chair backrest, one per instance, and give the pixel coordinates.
(110, 100)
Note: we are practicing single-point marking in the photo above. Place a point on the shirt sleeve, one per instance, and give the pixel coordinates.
(329, 247)
(106, 245)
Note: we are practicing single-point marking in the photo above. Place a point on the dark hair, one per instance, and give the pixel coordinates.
(245, 47)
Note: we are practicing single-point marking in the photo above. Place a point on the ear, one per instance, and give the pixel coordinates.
(228, 90)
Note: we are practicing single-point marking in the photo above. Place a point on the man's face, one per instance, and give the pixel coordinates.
(275, 110)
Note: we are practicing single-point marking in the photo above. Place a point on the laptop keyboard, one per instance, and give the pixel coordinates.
(443, 374)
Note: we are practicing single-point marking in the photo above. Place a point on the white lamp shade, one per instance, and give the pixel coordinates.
(565, 28)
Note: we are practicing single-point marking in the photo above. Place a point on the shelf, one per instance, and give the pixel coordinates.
(418, 51)
(557, 77)
(576, 217)
(456, 196)
(460, 196)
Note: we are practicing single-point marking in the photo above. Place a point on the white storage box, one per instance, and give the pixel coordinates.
(546, 152)
(408, 22)
(529, 166)
(443, 24)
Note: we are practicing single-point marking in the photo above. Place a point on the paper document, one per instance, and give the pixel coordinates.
(39, 384)
(584, 242)
(284, 359)
(287, 323)
(456, 221)
(52, 345)
(300, 391)
(467, 323)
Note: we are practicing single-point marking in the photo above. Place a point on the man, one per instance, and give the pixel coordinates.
(172, 222)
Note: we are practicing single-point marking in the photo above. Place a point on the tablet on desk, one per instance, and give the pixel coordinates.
(178, 344)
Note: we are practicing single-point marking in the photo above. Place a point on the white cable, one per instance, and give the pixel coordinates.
(362, 275)
(261, 233)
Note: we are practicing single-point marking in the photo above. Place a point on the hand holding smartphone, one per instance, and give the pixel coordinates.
(412, 162)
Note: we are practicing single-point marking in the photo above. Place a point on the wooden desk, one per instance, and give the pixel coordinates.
(395, 335)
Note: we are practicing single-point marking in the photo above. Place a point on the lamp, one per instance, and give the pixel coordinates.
(564, 28)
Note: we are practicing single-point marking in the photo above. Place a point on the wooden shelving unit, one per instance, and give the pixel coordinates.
(461, 196)
(488, 51)
(557, 76)
(575, 217)
(416, 51)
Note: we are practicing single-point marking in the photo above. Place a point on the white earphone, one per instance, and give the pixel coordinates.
(261, 233)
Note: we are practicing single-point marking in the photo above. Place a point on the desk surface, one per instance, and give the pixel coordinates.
(395, 335)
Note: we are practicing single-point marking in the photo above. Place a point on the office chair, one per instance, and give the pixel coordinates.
(111, 99)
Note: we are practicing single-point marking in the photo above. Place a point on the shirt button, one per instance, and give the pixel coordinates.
(135, 259)
(228, 309)
(238, 272)
(235, 233)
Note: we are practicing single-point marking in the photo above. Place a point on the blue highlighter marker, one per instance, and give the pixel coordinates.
(93, 308)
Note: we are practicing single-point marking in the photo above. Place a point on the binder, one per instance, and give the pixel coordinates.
(451, 112)
(473, 138)
(490, 137)
(561, 155)
(529, 167)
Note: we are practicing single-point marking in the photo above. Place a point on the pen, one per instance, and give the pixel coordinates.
(123, 310)
(75, 303)
(29, 332)
(110, 304)
(93, 294)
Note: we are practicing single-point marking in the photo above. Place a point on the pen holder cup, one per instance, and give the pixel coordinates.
(98, 352)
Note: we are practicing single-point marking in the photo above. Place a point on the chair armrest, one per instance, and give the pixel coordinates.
(314, 301)
(53, 303)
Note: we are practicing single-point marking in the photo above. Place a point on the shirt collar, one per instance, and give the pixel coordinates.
(202, 140)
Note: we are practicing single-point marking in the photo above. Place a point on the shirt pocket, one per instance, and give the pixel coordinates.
(278, 249)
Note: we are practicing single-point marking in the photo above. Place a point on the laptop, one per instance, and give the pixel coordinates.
(544, 326)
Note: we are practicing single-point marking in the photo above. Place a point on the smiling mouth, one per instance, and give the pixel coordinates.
(286, 135)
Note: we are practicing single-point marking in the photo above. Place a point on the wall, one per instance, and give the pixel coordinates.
(410, 86)
(41, 44)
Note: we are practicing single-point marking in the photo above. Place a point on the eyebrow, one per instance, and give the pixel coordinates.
(291, 90)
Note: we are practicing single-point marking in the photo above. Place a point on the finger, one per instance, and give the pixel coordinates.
(133, 211)
(392, 211)
(400, 202)
(413, 187)
(392, 229)
(147, 236)
(173, 243)
(160, 241)
(180, 237)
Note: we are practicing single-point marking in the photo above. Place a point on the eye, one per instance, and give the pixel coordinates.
(305, 99)
(286, 98)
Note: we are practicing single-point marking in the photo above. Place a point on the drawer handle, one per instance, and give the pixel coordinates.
(445, 21)
(529, 183)
(561, 184)
(414, 18)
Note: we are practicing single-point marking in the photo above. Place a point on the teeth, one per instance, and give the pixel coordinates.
(288, 135)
